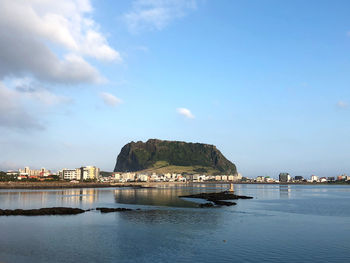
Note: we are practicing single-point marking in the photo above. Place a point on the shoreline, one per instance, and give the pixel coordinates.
(68, 185)
(65, 185)
(274, 183)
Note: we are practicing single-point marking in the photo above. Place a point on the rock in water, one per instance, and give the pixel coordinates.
(217, 198)
(42, 211)
(110, 210)
(173, 156)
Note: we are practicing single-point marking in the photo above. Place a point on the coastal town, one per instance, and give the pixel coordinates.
(93, 174)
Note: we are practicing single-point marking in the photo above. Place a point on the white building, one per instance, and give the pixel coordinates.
(323, 179)
(89, 173)
(167, 176)
(260, 179)
(143, 177)
(117, 176)
(70, 174)
(85, 173)
(128, 177)
(314, 178)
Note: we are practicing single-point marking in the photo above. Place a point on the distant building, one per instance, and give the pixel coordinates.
(143, 177)
(314, 178)
(235, 177)
(117, 176)
(128, 177)
(284, 177)
(331, 179)
(269, 179)
(44, 172)
(82, 173)
(70, 174)
(260, 179)
(36, 173)
(340, 178)
(89, 173)
(12, 173)
(298, 178)
(194, 177)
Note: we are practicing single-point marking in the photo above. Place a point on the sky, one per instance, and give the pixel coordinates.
(267, 82)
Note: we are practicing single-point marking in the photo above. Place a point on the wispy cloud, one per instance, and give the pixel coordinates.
(29, 89)
(342, 104)
(142, 48)
(156, 14)
(109, 99)
(185, 112)
(8, 165)
(13, 114)
(24, 104)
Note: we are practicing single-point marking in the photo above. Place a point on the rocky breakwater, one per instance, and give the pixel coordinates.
(217, 198)
(42, 211)
(110, 210)
(57, 211)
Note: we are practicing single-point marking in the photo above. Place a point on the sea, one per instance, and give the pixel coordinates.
(282, 223)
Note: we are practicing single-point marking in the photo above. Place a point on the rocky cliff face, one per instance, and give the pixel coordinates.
(137, 156)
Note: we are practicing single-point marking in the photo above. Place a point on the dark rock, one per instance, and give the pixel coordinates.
(110, 210)
(42, 211)
(206, 205)
(226, 203)
(218, 196)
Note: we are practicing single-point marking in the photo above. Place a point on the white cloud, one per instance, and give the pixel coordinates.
(156, 14)
(32, 30)
(28, 89)
(185, 112)
(25, 103)
(342, 104)
(110, 99)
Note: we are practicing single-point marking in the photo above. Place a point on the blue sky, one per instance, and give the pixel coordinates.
(267, 82)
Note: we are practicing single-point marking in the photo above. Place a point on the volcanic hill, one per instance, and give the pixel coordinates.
(174, 157)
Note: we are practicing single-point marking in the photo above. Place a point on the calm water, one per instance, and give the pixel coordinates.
(281, 224)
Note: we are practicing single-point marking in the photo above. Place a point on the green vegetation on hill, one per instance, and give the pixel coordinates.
(173, 156)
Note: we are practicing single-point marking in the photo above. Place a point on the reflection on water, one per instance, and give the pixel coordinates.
(294, 223)
(172, 216)
(85, 195)
(285, 191)
(45, 198)
(165, 195)
(153, 196)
